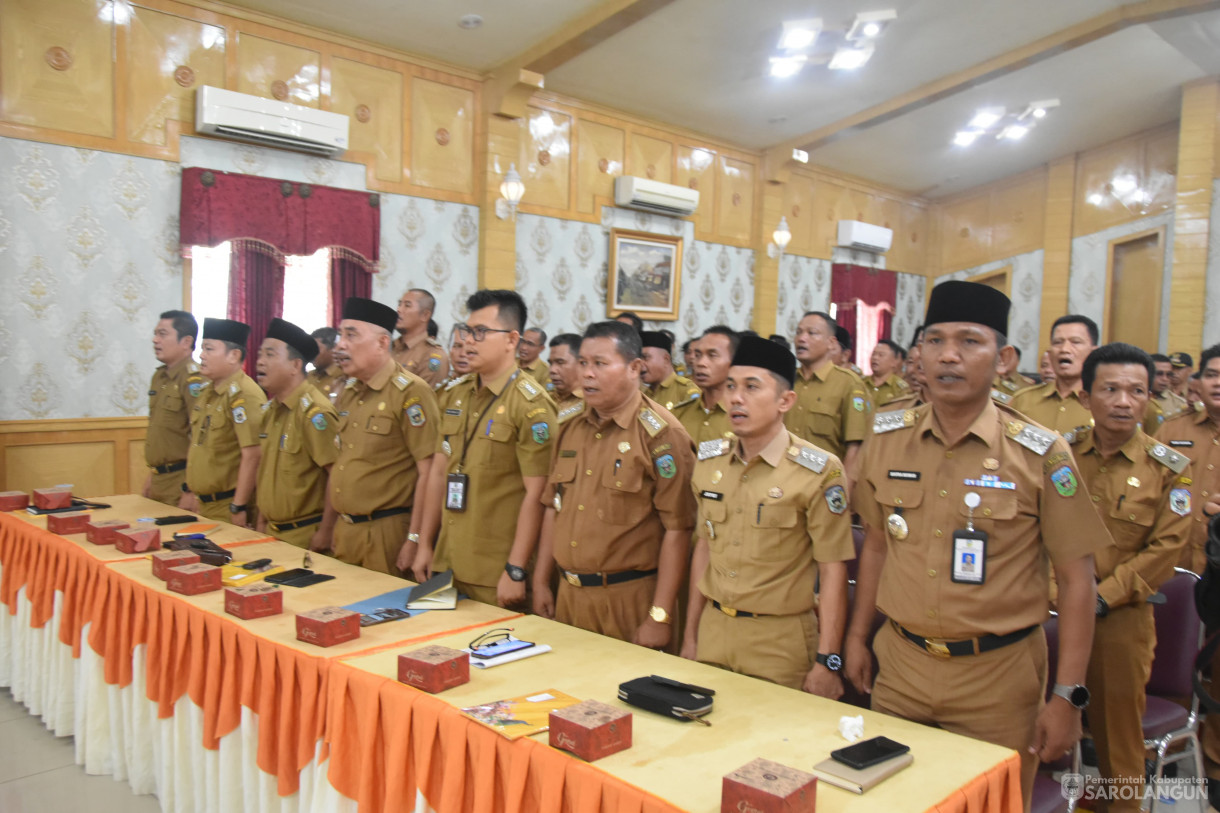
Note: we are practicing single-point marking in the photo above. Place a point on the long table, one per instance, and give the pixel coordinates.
(214, 713)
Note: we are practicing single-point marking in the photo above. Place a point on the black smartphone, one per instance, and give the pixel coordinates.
(869, 752)
(288, 575)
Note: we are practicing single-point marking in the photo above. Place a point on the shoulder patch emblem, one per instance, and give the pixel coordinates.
(666, 466)
(857, 403)
(1172, 460)
(713, 448)
(401, 381)
(526, 385)
(1179, 501)
(811, 459)
(836, 499)
(434, 363)
(541, 432)
(319, 422)
(652, 422)
(1033, 438)
(569, 412)
(894, 419)
(195, 387)
(239, 415)
(1065, 481)
(415, 415)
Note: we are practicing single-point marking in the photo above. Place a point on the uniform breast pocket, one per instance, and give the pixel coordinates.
(824, 420)
(714, 515)
(171, 408)
(773, 527)
(564, 471)
(1130, 523)
(624, 501)
(995, 505)
(289, 442)
(899, 503)
(495, 447)
(379, 425)
(451, 422)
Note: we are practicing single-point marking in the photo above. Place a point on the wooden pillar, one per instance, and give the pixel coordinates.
(1192, 215)
(1056, 247)
(766, 268)
(497, 238)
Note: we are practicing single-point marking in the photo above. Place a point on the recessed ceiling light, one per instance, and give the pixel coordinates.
(871, 29)
(869, 24)
(986, 117)
(1014, 132)
(1039, 112)
(965, 138)
(784, 66)
(469, 21)
(848, 59)
(799, 34)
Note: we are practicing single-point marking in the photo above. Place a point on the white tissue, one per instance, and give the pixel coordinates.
(852, 728)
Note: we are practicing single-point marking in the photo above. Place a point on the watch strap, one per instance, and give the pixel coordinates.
(831, 660)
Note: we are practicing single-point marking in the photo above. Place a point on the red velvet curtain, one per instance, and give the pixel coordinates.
(256, 292)
(849, 283)
(347, 278)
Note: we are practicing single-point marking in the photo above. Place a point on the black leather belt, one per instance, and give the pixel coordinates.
(356, 519)
(292, 526)
(168, 467)
(606, 579)
(219, 495)
(970, 646)
(734, 613)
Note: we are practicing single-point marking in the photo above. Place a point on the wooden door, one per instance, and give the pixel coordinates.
(1136, 274)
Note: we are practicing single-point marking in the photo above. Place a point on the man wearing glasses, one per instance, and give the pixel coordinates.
(483, 505)
(529, 355)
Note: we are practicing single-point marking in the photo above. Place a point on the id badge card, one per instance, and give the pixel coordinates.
(969, 557)
(455, 495)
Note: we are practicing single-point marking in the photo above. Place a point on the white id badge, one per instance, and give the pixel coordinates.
(969, 557)
(455, 499)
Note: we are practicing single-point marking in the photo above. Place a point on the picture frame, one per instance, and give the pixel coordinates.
(645, 275)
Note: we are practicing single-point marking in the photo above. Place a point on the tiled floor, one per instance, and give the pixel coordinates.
(38, 773)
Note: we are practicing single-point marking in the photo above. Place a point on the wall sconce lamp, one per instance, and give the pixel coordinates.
(780, 238)
(511, 192)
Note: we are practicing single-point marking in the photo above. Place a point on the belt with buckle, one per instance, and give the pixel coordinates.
(732, 612)
(280, 527)
(356, 519)
(168, 467)
(970, 646)
(605, 579)
(219, 495)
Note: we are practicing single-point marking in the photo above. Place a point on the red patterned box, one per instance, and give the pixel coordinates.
(768, 787)
(14, 500)
(140, 539)
(591, 730)
(103, 531)
(327, 626)
(434, 668)
(166, 560)
(255, 601)
(52, 498)
(191, 580)
(75, 522)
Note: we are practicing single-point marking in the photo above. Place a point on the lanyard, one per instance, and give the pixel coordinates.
(470, 437)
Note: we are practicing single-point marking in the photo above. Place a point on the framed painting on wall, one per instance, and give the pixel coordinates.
(645, 275)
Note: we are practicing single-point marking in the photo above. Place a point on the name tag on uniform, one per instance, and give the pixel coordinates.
(455, 497)
(896, 474)
(969, 557)
(711, 495)
(1182, 443)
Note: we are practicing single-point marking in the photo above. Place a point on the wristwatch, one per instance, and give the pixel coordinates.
(515, 573)
(234, 508)
(1103, 608)
(412, 537)
(659, 614)
(185, 490)
(833, 661)
(1077, 695)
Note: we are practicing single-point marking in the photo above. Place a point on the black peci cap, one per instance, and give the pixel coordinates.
(655, 338)
(960, 301)
(843, 337)
(294, 337)
(755, 351)
(226, 330)
(368, 310)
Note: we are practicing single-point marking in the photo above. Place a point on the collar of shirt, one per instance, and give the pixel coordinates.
(1134, 449)
(497, 385)
(985, 427)
(821, 371)
(293, 398)
(223, 384)
(772, 453)
(1202, 417)
(1052, 391)
(718, 405)
(667, 381)
(177, 365)
(623, 417)
(382, 377)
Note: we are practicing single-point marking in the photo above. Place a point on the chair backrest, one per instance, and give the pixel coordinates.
(1179, 634)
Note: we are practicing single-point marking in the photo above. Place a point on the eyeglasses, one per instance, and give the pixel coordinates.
(491, 637)
(479, 332)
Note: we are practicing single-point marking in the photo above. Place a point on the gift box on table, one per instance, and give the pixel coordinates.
(139, 539)
(166, 560)
(191, 580)
(75, 522)
(14, 500)
(591, 729)
(327, 626)
(768, 787)
(434, 668)
(254, 601)
(104, 531)
(52, 498)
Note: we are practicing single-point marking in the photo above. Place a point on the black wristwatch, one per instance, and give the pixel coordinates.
(515, 573)
(833, 661)
(234, 508)
(1103, 609)
(185, 490)
(1077, 695)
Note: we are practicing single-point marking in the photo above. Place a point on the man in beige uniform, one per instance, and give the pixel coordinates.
(563, 382)
(773, 523)
(327, 376)
(171, 394)
(1056, 404)
(300, 432)
(222, 466)
(1183, 367)
(1170, 402)
(484, 510)
(529, 355)
(885, 384)
(831, 405)
(964, 504)
(1140, 489)
(388, 422)
(619, 511)
(415, 350)
(661, 383)
(705, 418)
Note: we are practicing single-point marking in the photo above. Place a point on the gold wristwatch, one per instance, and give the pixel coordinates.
(659, 615)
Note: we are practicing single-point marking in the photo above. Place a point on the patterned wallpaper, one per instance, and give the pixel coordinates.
(804, 285)
(1087, 282)
(909, 308)
(1024, 320)
(562, 268)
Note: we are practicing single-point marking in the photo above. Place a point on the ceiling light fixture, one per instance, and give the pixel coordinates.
(986, 117)
(965, 138)
(869, 24)
(1014, 132)
(849, 59)
(799, 34)
(800, 156)
(784, 66)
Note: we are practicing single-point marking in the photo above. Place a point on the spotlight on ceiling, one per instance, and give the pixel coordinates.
(869, 24)
(1014, 132)
(784, 66)
(986, 117)
(965, 138)
(848, 59)
(799, 34)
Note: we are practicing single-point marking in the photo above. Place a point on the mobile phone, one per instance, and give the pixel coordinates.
(287, 575)
(382, 615)
(500, 648)
(869, 752)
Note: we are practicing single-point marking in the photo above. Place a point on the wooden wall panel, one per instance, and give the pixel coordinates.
(545, 158)
(735, 199)
(99, 456)
(275, 70)
(798, 209)
(1107, 177)
(600, 153)
(371, 98)
(696, 170)
(56, 66)
(1017, 212)
(651, 158)
(966, 232)
(88, 467)
(442, 136)
(909, 252)
(168, 59)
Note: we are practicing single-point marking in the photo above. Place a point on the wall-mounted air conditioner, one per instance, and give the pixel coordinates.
(860, 236)
(654, 196)
(243, 117)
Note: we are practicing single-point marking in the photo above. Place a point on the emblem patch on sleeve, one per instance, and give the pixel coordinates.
(195, 387)
(1179, 501)
(541, 432)
(1064, 480)
(415, 415)
(434, 363)
(857, 403)
(239, 415)
(666, 467)
(319, 422)
(836, 499)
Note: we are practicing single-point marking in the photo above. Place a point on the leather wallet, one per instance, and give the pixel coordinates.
(667, 697)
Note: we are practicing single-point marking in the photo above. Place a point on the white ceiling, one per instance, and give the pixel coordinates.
(702, 65)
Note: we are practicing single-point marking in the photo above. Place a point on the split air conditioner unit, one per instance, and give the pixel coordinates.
(865, 236)
(270, 123)
(653, 196)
